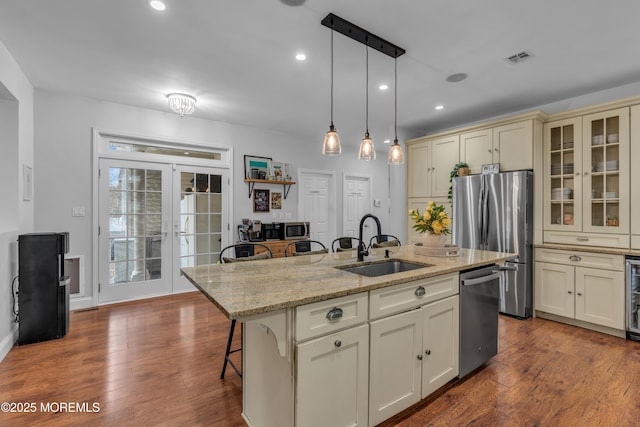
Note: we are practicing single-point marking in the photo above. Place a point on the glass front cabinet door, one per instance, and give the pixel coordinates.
(563, 177)
(605, 165)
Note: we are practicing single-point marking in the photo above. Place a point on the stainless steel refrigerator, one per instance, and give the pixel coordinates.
(494, 212)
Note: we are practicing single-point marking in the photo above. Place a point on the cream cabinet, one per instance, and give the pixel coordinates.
(586, 286)
(586, 184)
(412, 355)
(511, 145)
(332, 362)
(429, 163)
(635, 177)
(332, 386)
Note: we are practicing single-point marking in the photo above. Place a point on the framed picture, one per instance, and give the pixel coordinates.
(261, 200)
(278, 171)
(257, 167)
(276, 200)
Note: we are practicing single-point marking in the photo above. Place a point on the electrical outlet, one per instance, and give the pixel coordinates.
(77, 211)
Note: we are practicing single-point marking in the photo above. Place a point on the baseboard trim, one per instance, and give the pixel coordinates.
(8, 341)
(581, 324)
(81, 303)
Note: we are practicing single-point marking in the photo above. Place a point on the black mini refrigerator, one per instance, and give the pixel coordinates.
(43, 294)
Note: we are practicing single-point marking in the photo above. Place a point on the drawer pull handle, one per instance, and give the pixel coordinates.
(337, 343)
(583, 239)
(420, 291)
(575, 258)
(334, 314)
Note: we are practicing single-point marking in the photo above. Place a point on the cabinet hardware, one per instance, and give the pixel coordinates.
(334, 314)
(586, 173)
(583, 239)
(419, 357)
(338, 343)
(495, 149)
(570, 292)
(489, 150)
(579, 294)
(577, 173)
(420, 291)
(427, 352)
(575, 258)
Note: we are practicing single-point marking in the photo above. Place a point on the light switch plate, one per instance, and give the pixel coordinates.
(377, 203)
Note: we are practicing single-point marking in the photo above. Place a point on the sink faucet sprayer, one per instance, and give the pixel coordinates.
(361, 249)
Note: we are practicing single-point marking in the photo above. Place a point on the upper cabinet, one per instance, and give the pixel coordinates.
(586, 179)
(511, 145)
(635, 176)
(429, 163)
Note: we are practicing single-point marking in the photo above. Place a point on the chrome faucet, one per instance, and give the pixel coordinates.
(362, 252)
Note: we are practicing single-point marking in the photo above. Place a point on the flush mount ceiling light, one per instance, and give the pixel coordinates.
(367, 151)
(457, 77)
(157, 5)
(396, 156)
(182, 103)
(331, 145)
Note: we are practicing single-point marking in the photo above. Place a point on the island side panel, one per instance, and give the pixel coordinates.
(267, 380)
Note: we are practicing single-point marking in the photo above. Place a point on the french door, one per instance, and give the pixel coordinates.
(155, 218)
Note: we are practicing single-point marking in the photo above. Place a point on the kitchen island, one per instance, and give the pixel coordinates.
(324, 346)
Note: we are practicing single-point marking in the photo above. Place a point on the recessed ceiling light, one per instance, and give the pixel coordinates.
(439, 107)
(157, 5)
(301, 57)
(383, 87)
(387, 141)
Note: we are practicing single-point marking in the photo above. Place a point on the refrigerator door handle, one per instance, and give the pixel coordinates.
(484, 209)
(508, 267)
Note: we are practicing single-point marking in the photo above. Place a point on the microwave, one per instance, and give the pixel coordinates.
(295, 230)
(273, 231)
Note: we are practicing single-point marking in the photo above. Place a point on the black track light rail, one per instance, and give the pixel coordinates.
(363, 36)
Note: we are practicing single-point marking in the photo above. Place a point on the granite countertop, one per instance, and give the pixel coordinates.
(598, 249)
(248, 288)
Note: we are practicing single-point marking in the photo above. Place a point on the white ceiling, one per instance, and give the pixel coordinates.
(237, 57)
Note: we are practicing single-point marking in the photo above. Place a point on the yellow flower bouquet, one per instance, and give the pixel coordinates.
(434, 220)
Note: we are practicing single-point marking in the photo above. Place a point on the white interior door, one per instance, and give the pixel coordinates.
(316, 204)
(356, 202)
(134, 243)
(200, 221)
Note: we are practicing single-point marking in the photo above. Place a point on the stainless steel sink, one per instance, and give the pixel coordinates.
(382, 268)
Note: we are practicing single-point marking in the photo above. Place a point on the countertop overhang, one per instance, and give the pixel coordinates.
(245, 289)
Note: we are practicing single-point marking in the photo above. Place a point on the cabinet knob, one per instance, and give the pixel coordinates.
(579, 294)
(577, 173)
(419, 357)
(489, 150)
(420, 291)
(338, 343)
(570, 292)
(586, 173)
(495, 149)
(427, 352)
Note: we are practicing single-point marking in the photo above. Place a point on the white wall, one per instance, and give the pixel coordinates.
(63, 161)
(16, 216)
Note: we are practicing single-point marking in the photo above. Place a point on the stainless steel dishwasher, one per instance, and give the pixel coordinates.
(479, 302)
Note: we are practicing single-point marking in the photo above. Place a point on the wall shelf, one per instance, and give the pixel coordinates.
(286, 184)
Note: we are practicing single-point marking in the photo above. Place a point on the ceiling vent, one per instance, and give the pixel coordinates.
(519, 57)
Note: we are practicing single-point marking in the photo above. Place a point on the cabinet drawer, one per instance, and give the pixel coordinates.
(581, 259)
(635, 242)
(587, 239)
(323, 317)
(394, 299)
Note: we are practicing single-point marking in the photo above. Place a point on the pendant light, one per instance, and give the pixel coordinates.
(331, 145)
(367, 150)
(396, 156)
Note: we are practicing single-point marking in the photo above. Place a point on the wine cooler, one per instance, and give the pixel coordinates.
(633, 298)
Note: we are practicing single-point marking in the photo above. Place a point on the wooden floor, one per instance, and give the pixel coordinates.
(157, 362)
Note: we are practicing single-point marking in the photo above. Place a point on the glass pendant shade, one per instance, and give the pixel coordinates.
(182, 103)
(367, 150)
(331, 146)
(396, 156)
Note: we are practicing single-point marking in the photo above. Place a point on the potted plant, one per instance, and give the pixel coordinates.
(434, 224)
(460, 169)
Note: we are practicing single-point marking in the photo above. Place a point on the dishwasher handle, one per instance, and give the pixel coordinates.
(481, 279)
